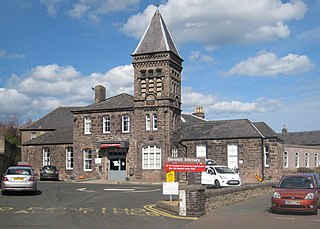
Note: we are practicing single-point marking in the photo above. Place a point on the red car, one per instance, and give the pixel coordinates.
(296, 193)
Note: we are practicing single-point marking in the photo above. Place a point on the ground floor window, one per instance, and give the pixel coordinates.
(266, 156)
(232, 153)
(201, 150)
(296, 160)
(69, 158)
(87, 159)
(46, 156)
(151, 157)
(285, 160)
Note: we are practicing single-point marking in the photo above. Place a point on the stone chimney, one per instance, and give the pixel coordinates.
(284, 129)
(199, 112)
(100, 93)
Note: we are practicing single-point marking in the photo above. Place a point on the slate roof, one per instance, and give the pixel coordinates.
(118, 102)
(224, 129)
(59, 136)
(156, 38)
(59, 118)
(191, 118)
(265, 130)
(308, 138)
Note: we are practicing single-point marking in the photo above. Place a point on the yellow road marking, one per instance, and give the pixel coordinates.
(150, 207)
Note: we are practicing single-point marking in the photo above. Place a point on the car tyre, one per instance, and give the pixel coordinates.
(217, 184)
(3, 192)
(315, 212)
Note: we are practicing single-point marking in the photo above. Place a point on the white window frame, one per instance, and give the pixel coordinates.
(106, 124)
(201, 150)
(154, 121)
(306, 160)
(266, 156)
(285, 159)
(151, 157)
(87, 125)
(87, 160)
(232, 155)
(125, 123)
(316, 160)
(69, 158)
(296, 160)
(148, 122)
(46, 157)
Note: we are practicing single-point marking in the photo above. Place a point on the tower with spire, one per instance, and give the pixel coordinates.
(157, 99)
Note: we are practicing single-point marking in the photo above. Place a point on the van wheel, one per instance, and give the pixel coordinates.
(217, 184)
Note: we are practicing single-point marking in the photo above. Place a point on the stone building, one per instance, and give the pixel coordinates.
(131, 136)
(301, 149)
(7, 154)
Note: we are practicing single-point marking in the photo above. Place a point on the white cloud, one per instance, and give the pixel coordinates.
(198, 56)
(220, 22)
(94, 9)
(268, 64)
(211, 105)
(6, 55)
(52, 6)
(45, 88)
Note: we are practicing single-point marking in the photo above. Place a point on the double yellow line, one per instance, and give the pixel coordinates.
(151, 207)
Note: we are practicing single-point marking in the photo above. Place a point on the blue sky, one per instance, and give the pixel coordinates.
(242, 58)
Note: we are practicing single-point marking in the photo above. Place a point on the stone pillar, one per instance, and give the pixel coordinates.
(195, 200)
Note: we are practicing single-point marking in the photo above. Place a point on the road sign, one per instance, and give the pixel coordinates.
(185, 167)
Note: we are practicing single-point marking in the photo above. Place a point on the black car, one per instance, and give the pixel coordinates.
(49, 172)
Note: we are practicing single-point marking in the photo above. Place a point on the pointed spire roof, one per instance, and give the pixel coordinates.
(156, 38)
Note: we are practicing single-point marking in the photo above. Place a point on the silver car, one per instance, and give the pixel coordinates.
(19, 178)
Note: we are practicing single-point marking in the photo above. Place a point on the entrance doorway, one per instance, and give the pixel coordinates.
(117, 164)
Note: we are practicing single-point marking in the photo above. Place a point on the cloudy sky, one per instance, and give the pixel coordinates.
(242, 58)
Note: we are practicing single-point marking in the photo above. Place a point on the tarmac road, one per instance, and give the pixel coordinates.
(255, 214)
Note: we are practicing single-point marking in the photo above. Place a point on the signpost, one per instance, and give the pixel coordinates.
(196, 168)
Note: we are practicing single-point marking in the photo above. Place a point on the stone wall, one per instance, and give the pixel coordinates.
(7, 154)
(216, 198)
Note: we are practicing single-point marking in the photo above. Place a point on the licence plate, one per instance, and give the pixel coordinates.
(18, 178)
(292, 202)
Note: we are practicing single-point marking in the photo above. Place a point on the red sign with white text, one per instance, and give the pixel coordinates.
(185, 167)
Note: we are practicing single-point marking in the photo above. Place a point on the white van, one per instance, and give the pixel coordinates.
(220, 176)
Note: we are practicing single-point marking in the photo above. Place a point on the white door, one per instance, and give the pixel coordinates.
(233, 157)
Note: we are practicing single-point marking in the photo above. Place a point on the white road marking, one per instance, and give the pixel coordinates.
(285, 218)
(85, 190)
(119, 189)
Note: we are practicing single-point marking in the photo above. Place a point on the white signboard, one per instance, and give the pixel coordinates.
(98, 160)
(170, 188)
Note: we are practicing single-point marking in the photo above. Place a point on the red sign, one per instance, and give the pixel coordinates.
(102, 146)
(185, 167)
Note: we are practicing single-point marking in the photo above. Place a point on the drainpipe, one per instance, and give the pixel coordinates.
(262, 153)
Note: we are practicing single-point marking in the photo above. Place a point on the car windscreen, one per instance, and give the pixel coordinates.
(224, 170)
(297, 183)
(18, 171)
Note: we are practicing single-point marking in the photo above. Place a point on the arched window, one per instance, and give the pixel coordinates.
(151, 157)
